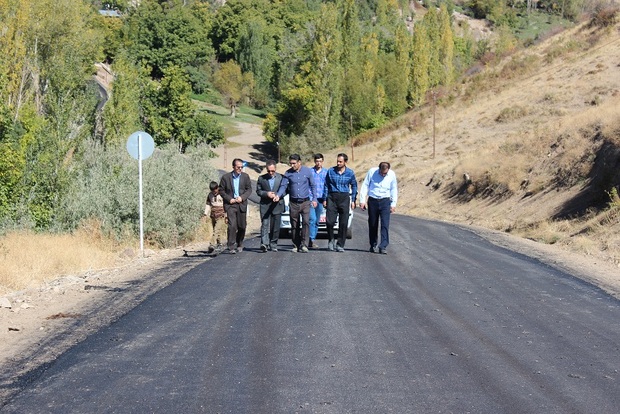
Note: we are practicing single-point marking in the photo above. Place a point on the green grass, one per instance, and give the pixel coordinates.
(222, 114)
(537, 24)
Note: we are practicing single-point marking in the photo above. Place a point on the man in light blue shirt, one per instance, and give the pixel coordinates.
(380, 193)
(319, 174)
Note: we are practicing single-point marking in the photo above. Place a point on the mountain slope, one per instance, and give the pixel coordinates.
(530, 146)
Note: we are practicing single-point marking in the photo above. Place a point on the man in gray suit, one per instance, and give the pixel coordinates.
(235, 188)
(270, 187)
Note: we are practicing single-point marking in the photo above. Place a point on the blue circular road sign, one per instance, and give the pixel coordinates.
(146, 143)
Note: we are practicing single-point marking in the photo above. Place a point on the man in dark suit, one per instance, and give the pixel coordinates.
(235, 188)
(270, 187)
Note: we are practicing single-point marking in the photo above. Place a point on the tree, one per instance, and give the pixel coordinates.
(169, 107)
(435, 69)
(388, 13)
(324, 71)
(446, 46)
(229, 22)
(204, 129)
(122, 112)
(351, 65)
(232, 84)
(256, 53)
(395, 73)
(52, 101)
(14, 55)
(168, 34)
(420, 81)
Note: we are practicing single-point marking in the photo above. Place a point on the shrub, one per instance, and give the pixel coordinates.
(511, 113)
(519, 66)
(105, 188)
(605, 16)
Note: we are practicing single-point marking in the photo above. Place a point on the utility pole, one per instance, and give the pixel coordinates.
(351, 128)
(225, 146)
(434, 96)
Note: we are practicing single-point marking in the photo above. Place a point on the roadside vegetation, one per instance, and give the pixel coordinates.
(314, 74)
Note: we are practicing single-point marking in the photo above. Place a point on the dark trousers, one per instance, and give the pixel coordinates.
(301, 231)
(338, 205)
(379, 209)
(270, 229)
(236, 225)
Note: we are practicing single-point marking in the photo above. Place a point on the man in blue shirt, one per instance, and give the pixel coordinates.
(381, 188)
(302, 194)
(340, 191)
(319, 174)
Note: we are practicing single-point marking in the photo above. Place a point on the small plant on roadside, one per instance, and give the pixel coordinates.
(561, 49)
(614, 199)
(519, 66)
(511, 113)
(605, 16)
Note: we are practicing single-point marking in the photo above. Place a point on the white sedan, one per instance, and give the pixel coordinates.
(285, 222)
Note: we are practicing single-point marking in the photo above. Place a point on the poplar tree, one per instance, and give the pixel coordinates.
(352, 69)
(446, 46)
(395, 73)
(420, 82)
(14, 69)
(435, 68)
(324, 69)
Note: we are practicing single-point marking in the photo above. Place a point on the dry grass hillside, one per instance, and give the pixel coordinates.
(529, 146)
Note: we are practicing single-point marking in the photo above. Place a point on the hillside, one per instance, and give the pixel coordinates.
(530, 146)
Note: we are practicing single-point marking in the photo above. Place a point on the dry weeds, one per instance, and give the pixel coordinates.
(29, 259)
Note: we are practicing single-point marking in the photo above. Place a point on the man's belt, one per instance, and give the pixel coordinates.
(299, 200)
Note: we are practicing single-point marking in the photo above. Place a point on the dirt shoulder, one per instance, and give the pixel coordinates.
(37, 325)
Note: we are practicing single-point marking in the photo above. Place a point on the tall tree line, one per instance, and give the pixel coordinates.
(321, 71)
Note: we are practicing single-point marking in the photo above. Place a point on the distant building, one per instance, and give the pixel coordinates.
(110, 13)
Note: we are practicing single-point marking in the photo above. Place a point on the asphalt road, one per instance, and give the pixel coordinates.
(445, 323)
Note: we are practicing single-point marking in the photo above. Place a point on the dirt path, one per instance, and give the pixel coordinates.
(250, 145)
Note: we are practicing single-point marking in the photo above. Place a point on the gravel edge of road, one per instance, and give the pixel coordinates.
(605, 278)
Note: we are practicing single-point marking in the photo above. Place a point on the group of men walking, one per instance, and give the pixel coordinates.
(311, 191)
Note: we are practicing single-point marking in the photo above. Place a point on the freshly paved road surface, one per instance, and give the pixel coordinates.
(445, 323)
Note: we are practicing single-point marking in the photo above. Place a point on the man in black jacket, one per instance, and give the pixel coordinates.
(235, 188)
(270, 187)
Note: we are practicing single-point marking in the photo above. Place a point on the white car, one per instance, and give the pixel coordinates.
(285, 222)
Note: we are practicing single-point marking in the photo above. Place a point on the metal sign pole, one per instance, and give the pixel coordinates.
(140, 145)
(140, 191)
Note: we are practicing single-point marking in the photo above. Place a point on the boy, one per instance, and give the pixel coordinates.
(215, 210)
